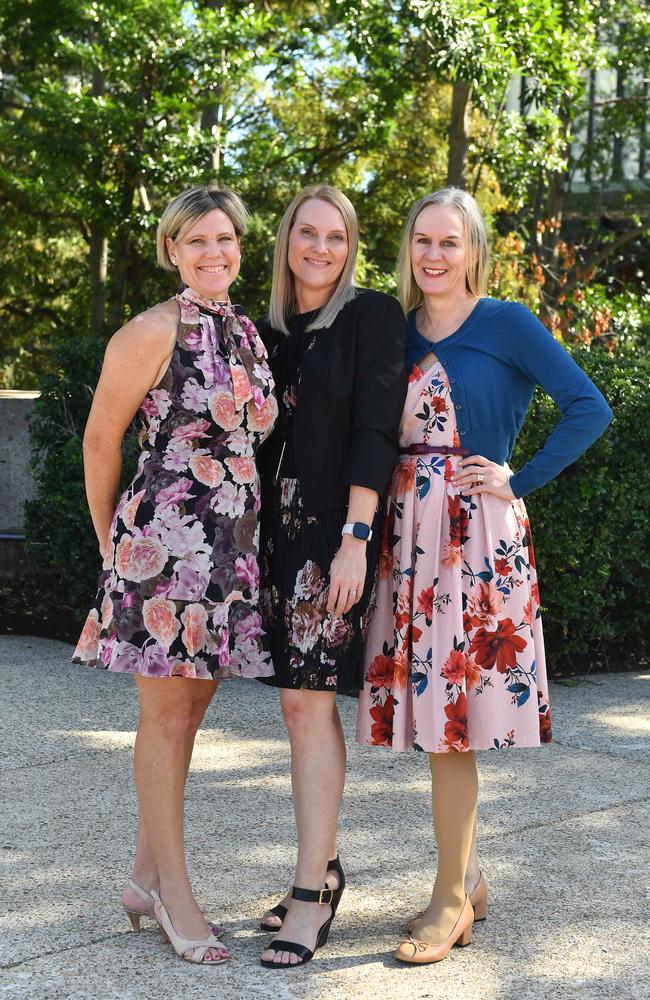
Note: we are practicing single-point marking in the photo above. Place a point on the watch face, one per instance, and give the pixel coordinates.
(361, 531)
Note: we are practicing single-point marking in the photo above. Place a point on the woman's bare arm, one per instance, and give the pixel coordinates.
(135, 360)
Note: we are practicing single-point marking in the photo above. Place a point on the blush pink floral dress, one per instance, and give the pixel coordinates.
(455, 654)
(179, 592)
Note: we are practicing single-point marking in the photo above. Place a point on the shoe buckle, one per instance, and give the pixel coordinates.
(322, 901)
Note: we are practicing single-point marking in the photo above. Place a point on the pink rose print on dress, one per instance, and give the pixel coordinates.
(123, 554)
(250, 627)
(194, 397)
(175, 494)
(159, 615)
(89, 638)
(155, 662)
(194, 618)
(107, 611)
(242, 469)
(240, 383)
(189, 585)
(191, 432)
(207, 470)
(222, 408)
(170, 597)
(147, 558)
(248, 572)
(183, 669)
(131, 509)
(264, 418)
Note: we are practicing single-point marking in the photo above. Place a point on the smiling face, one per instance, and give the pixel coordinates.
(207, 255)
(439, 255)
(318, 251)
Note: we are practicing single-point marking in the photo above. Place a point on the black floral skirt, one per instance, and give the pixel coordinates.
(310, 648)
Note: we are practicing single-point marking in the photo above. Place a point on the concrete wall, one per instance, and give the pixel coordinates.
(16, 483)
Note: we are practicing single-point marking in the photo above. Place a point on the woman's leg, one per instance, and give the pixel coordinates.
(144, 871)
(332, 876)
(473, 872)
(317, 779)
(168, 710)
(454, 796)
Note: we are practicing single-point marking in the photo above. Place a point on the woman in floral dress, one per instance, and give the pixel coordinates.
(337, 354)
(455, 655)
(177, 605)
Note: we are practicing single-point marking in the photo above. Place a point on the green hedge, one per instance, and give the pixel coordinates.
(591, 526)
(59, 529)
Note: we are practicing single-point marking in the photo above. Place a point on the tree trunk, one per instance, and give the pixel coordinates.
(98, 265)
(98, 249)
(459, 129)
(120, 256)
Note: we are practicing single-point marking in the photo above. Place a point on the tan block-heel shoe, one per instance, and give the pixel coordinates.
(478, 897)
(417, 952)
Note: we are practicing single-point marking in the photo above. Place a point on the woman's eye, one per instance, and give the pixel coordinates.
(306, 232)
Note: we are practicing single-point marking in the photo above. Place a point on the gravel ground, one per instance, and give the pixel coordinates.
(564, 844)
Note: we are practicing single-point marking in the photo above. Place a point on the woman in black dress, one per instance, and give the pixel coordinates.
(337, 355)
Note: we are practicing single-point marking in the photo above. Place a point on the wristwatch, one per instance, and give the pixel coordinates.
(360, 530)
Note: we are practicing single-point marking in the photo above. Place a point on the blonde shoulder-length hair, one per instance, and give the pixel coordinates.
(476, 240)
(283, 299)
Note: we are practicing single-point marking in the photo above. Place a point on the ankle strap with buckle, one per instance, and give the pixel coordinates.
(320, 896)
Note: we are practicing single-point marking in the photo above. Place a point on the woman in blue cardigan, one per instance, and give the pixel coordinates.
(455, 655)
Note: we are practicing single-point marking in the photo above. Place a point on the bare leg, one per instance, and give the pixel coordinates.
(167, 710)
(454, 795)
(145, 872)
(317, 779)
(332, 877)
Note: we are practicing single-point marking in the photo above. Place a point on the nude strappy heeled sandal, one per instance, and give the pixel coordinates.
(192, 950)
(135, 916)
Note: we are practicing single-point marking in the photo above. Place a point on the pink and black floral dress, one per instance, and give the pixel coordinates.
(455, 654)
(178, 595)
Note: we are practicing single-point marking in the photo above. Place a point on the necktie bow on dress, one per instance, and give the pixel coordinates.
(243, 346)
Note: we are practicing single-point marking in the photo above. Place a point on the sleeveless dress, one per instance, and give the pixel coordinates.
(178, 595)
(455, 654)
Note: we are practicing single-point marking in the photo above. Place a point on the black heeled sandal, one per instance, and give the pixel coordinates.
(280, 910)
(320, 896)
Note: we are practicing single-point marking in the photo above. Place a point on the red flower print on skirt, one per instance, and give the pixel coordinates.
(500, 647)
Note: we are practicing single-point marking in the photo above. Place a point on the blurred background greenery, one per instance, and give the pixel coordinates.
(541, 109)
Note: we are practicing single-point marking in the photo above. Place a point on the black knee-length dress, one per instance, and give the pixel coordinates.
(304, 501)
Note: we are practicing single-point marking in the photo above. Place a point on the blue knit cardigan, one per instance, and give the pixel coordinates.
(493, 362)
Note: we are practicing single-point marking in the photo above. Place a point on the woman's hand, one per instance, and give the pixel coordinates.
(480, 475)
(347, 575)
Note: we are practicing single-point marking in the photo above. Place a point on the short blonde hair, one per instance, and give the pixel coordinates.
(188, 207)
(283, 300)
(476, 239)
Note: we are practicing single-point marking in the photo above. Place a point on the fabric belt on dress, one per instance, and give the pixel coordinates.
(433, 449)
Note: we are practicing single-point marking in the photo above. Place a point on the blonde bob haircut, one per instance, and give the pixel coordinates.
(476, 241)
(188, 207)
(283, 299)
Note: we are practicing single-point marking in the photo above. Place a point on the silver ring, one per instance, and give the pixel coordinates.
(479, 479)
(353, 592)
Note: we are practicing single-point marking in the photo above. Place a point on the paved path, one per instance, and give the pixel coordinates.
(565, 845)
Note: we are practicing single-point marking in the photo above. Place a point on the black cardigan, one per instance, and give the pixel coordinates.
(350, 401)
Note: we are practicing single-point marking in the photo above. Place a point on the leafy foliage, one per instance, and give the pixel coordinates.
(58, 522)
(590, 525)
